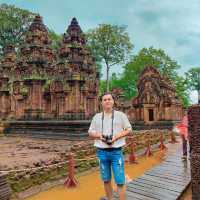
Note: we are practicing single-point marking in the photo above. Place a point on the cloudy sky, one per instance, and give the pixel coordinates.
(172, 25)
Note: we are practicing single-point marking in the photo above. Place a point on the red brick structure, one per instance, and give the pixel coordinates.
(157, 99)
(43, 84)
(194, 139)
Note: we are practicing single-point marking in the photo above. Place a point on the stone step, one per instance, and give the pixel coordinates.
(57, 137)
(49, 129)
(47, 132)
(26, 132)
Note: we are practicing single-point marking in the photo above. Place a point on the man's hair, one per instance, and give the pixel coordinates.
(107, 93)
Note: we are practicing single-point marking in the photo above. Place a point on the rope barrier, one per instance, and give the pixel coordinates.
(47, 166)
(32, 168)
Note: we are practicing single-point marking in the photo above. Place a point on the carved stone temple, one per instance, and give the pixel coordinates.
(39, 83)
(157, 100)
(43, 90)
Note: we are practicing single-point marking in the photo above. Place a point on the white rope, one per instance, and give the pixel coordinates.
(32, 168)
(48, 166)
(90, 158)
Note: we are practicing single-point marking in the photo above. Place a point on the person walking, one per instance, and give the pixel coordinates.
(183, 130)
(109, 129)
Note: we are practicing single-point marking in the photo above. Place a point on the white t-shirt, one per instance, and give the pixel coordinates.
(120, 123)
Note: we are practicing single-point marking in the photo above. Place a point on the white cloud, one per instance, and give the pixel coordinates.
(194, 97)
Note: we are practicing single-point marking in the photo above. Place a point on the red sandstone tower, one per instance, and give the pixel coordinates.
(43, 84)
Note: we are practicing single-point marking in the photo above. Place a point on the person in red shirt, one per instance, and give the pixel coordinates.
(183, 130)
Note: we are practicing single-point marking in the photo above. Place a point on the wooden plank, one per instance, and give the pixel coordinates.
(161, 180)
(168, 176)
(157, 183)
(168, 169)
(133, 196)
(179, 163)
(163, 194)
(149, 193)
(155, 186)
(181, 166)
(172, 169)
(172, 173)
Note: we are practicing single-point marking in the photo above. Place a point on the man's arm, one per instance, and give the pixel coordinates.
(93, 130)
(122, 134)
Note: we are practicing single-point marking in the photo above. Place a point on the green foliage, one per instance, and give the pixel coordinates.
(109, 44)
(193, 80)
(118, 82)
(14, 22)
(56, 39)
(36, 77)
(182, 90)
(151, 57)
(24, 91)
(97, 60)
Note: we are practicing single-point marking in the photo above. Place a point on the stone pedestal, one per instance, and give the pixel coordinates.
(194, 135)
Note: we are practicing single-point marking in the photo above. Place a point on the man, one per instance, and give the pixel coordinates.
(109, 129)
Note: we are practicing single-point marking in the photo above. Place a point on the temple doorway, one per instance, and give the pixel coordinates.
(151, 115)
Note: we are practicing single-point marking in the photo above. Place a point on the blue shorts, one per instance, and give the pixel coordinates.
(114, 159)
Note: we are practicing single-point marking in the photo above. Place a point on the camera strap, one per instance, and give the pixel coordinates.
(102, 121)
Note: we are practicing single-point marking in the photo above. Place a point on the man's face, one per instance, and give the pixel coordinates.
(107, 101)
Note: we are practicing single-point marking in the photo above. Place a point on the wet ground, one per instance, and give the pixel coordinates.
(19, 153)
(90, 186)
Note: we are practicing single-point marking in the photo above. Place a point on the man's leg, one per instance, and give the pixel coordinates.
(184, 143)
(118, 171)
(108, 190)
(122, 191)
(105, 169)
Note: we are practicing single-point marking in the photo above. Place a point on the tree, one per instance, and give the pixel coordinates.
(193, 80)
(14, 22)
(182, 90)
(155, 57)
(114, 82)
(110, 44)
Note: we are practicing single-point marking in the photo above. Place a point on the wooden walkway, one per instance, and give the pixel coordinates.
(166, 181)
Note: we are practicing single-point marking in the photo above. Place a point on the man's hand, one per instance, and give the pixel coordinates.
(120, 135)
(96, 135)
(114, 139)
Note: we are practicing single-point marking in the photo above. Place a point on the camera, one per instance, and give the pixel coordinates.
(108, 139)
